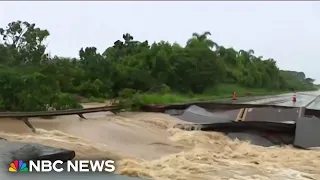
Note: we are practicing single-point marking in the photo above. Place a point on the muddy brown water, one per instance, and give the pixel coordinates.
(146, 145)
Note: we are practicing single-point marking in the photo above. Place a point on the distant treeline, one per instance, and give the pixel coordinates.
(31, 79)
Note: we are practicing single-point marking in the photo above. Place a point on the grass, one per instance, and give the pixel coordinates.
(220, 92)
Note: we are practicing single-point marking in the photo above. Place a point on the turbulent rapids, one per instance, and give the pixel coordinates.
(146, 145)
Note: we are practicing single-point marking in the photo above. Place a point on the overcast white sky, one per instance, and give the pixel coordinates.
(289, 32)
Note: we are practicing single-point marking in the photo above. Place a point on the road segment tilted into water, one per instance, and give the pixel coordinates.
(146, 145)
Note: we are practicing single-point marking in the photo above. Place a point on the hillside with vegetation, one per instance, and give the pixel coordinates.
(32, 80)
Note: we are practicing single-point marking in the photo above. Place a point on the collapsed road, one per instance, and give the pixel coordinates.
(286, 122)
(237, 121)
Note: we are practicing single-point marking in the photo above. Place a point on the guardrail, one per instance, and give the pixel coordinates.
(58, 112)
(25, 115)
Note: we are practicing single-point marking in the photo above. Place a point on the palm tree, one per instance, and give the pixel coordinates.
(250, 52)
(202, 39)
(247, 54)
(127, 38)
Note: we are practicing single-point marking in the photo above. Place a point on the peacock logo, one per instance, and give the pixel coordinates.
(18, 166)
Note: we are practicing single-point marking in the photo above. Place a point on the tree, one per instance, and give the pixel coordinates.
(201, 39)
(32, 80)
(27, 39)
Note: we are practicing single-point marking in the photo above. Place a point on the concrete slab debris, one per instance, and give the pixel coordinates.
(197, 114)
(307, 132)
(232, 114)
(174, 112)
(252, 138)
(304, 131)
(271, 114)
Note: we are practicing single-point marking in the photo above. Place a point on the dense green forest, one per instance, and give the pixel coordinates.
(31, 79)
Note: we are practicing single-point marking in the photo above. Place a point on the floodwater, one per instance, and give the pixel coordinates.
(145, 145)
